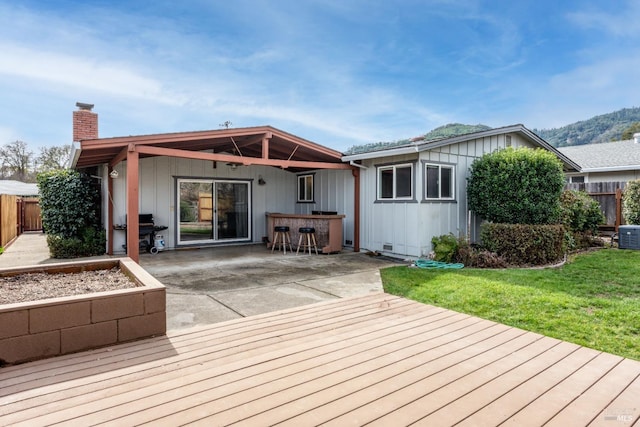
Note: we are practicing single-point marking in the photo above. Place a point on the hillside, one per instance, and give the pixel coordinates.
(446, 131)
(602, 128)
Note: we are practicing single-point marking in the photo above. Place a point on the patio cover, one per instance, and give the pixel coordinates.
(263, 145)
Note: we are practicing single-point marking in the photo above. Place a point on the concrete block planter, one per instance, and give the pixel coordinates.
(55, 326)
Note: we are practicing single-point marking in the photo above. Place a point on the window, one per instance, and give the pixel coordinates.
(577, 179)
(395, 182)
(439, 182)
(305, 188)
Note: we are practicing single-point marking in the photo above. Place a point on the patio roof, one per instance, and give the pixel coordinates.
(264, 145)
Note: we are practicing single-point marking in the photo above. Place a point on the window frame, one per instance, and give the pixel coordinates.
(309, 198)
(394, 167)
(452, 187)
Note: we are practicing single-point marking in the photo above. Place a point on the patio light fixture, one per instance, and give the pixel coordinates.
(113, 174)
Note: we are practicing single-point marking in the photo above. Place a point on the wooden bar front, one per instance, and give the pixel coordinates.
(328, 229)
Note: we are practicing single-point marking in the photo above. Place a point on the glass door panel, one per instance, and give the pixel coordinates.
(196, 211)
(232, 210)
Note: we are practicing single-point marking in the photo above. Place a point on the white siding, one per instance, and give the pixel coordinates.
(408, 227)
(157, 181)
(333, 191)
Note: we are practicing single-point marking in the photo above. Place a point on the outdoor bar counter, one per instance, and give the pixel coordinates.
(328, 229)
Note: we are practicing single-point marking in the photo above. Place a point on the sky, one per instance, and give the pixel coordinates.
(336, 72)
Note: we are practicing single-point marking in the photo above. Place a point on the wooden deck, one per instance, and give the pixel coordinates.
(376, 359)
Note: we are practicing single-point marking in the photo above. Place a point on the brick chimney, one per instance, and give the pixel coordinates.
(85, 122)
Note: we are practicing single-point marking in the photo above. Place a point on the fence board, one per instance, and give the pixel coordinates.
(8, 218)
(31, 219)
(605, 194)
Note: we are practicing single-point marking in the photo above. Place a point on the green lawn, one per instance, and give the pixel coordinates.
(593, 300)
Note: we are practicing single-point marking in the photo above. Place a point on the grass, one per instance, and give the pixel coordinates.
(593, 300)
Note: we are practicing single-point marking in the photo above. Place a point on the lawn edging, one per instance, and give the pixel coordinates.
(56, 326)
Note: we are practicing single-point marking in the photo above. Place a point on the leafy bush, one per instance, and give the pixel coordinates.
(444, 247)
(516, 186)
(631, 202)
(580, 213)
(523, 244)
(69, 205)
(477, 256)
(91, 243)
(580, 216)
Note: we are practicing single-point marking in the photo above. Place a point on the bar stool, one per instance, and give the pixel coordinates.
(281, 238)
(307, 239)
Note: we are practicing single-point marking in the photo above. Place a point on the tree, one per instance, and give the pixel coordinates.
(53, 158)
(630, 131)
(16, 162)
(516, 186)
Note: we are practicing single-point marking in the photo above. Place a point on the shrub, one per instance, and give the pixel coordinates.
(631, 202)
(522, 244)
(516, 186)
(69, 204)
(91, 243)
(444, 247)
(580, 215)
(477, 256)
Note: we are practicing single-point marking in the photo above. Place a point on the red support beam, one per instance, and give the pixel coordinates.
(172, 152)
(133, 208)
(265, 147)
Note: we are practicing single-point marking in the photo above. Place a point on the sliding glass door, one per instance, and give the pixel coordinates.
(212, 211)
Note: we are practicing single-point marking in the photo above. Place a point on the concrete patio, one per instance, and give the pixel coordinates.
(211, 285)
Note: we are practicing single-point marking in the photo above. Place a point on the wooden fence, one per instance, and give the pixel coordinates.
(18, 215)
(29, 217)
(609, 196)
(8, 218)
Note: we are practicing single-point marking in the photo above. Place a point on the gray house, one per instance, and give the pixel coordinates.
(617, 161)
(231, 186)
(413, 192)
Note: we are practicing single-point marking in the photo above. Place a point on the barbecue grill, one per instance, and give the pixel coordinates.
(147, 232)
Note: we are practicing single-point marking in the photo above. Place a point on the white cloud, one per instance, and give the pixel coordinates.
(84, 73)
(622, 23)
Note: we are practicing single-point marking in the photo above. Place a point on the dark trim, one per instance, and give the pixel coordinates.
(424, 164)
(413, 198)
(313, 189)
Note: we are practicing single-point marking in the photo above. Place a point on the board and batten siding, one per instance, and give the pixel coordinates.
(405, 228)
(333, 191)
(157, 194)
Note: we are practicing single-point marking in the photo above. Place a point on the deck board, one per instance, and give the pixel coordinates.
(376, 359)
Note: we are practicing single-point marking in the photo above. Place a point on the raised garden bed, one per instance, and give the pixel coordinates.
(55, 326)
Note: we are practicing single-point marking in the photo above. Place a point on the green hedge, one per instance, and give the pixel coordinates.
(69, 203)
(516, 186)
(91, 243)
(523, 244)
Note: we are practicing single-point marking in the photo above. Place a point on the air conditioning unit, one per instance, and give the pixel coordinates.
(629, 237)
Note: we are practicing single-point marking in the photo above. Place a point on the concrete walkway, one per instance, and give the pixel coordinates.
(211, 285)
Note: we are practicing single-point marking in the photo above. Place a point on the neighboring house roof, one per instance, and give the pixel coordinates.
(421, 145)
(606, 157)
(18, 188)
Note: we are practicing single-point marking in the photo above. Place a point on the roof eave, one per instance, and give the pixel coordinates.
(612, 168)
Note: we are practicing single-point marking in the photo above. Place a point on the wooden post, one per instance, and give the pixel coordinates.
(618, 208)
(133, 226)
